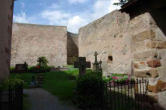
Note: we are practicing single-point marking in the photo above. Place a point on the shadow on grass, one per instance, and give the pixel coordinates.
(61, 84)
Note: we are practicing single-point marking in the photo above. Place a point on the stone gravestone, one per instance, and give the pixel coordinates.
(82, 65)
(20, 68)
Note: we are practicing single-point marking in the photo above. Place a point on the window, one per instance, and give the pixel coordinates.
(110, 58)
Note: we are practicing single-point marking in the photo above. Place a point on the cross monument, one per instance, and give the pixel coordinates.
(82, 65)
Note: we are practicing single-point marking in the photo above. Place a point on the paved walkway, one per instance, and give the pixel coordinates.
(43, 100)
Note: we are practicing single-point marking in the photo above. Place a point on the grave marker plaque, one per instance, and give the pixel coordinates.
(19, 68)
(82, 65)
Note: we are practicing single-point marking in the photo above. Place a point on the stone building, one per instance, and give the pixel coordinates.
(131, 41)
(30, 41)
(6, 17)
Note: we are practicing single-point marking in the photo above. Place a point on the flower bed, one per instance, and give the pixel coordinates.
(118, 79)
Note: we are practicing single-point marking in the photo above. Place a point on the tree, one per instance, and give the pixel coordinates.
(121, 2)
(42, 61)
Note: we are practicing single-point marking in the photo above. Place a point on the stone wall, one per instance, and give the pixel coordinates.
(6, 16)
(149, 56)
(134, 46)
(32, 41)
(110, 38)
(72, 47)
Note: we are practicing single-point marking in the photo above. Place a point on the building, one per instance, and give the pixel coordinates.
(6, 18)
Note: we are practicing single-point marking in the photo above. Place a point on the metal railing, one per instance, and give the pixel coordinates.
(130, 95)
(12, 98)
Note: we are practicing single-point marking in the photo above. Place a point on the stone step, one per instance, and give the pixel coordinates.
(147, 72)
(156, 44)
(144, 55)
(148, 34)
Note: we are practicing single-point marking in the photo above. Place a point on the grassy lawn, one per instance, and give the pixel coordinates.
(26, 103)
(60, 84)
(26, 77)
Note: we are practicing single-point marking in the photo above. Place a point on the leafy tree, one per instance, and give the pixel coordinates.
(121, 2)
(42, 61)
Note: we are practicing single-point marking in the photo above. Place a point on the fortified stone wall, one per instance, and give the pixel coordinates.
(110, 38)
(134, 46)
(32, 41)
(6, 16)
(72, 47)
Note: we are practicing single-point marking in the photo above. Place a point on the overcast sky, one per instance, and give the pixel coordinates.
(71, 13)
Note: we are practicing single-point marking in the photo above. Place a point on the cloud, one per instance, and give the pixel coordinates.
(76, 1)
(75, 23)
(21, 18)
(56, 17)
(102, 7)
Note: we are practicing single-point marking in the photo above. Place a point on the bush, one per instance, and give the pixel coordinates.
(42, 61)
(39, 69)
(10, 82)
(88, 87)
(118, 78)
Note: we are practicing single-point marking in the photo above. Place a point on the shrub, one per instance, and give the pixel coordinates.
(88, 87)
(4, 85)
(119, 78)
(39, 69)
(42, 61)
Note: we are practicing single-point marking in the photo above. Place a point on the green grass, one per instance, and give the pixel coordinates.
(26, 77)
(26, 103)
(61, 84)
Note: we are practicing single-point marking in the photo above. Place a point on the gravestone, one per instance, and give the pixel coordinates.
(19, 68)
(82, 65)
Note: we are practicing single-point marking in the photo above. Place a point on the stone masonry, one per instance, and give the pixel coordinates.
(6, 17)
(132, 45)
(30, 41)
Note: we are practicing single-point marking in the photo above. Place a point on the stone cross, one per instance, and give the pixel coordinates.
(82, 65)
(96, 63)
(96, 57)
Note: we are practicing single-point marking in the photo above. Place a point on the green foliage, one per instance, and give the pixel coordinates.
(120, 78)
(39, 69)
(26, 104)
(42, 61)
(12, 69)
(60, 84)
(26, 77)
(10, 82)
(88, 87)
(121, 2)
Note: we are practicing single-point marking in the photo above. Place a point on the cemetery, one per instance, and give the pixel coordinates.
(116, 62)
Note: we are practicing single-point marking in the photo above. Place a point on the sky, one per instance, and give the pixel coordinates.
(71, 13)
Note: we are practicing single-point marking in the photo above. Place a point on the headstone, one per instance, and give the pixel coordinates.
(82, 65)
(21, 68)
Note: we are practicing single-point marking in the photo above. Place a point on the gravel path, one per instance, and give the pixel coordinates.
(43, 100)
